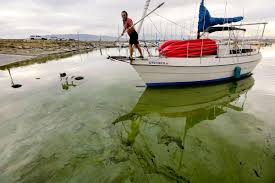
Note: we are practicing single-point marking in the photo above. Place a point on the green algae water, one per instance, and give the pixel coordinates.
(106, 129)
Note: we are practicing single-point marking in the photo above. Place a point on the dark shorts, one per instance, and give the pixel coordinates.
(133, 38)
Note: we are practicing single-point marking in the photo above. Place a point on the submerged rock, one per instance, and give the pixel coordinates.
(16, 86)
(63, 74)
(79, 78)
(256, 173)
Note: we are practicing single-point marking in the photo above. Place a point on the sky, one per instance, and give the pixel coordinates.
(21, 18)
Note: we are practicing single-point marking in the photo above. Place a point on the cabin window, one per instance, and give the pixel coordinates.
(239, 51)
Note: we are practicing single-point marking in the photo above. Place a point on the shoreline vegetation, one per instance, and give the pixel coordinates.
(41, 51)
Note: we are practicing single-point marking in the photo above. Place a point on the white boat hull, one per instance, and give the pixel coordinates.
(184, 71)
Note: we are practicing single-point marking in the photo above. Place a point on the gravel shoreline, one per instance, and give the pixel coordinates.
(22, 52)
(6, 59)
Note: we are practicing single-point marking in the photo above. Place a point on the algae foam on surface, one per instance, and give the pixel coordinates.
(105, 129)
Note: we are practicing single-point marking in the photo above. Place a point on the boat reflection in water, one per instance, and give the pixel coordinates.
(158, 126)
(194, 103)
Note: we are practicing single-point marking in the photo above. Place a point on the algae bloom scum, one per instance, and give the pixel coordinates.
(102, 128)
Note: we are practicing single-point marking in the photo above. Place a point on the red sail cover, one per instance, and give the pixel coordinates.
(188, 48)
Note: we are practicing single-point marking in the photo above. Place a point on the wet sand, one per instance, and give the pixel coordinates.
(8, 59)
(18, 50)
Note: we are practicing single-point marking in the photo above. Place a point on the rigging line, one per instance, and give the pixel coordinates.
(168, 20)
(165, 32)
(257, 34)
(160, 25)
(154, 25)
(243, 33)
(146, 47)
(225, 12)
(238, 32)
(195, 14)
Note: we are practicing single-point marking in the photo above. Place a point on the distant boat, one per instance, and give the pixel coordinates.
(203, 60)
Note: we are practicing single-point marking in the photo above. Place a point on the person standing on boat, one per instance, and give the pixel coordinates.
(128, 26)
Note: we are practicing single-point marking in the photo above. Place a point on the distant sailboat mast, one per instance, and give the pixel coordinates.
(147, 3)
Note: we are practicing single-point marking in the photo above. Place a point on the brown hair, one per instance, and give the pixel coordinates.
(125, 12)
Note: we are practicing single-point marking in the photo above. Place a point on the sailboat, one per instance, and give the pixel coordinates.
(201, 60)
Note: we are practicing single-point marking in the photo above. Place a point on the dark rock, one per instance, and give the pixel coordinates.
(63, 74)
(16, 86)
(79, 78)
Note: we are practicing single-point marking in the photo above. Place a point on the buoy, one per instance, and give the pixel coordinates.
(237, 73)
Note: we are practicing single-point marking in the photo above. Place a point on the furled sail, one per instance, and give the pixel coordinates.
(206, 21)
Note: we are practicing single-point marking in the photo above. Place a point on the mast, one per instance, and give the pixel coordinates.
(147, 3)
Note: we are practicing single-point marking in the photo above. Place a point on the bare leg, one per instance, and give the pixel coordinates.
(131, 50)
(139, 49)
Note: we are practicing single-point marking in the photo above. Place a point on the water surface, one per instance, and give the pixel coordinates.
(106, 129)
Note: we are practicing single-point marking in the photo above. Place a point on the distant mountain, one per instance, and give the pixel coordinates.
(83, 37)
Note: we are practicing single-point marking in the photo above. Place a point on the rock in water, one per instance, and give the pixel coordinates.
(79, 78)
(63, 74)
